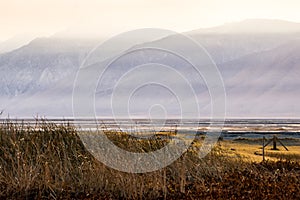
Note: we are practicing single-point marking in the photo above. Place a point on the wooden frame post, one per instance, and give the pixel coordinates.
(263, 149)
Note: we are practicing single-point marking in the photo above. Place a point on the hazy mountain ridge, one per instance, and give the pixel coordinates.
(250, 26)
(269, 81)
(42, 62)
(260, 71)
(15, 42)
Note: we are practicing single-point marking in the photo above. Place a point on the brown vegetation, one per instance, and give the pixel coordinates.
(49, 161)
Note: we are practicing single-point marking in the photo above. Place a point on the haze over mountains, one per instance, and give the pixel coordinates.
(15, 42)
(259, 61)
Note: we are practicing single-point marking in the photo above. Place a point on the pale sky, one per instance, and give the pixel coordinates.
(110, 17)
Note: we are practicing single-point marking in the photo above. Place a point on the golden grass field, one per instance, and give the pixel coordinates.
(49, 161)
(251, 150)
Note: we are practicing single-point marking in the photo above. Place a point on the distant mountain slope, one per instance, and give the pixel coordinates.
(259, 61)
(15, 42)
(233, 40)
(265, 83)
(41, 63)
(250, 26)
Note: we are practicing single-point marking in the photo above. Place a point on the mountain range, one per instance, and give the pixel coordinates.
(259, 61)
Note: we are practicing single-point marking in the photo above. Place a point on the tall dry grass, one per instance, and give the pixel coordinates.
(49, 161)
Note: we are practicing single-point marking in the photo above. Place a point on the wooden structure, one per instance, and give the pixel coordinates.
(274, 140)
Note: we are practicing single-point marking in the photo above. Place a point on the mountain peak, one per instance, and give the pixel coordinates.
(253, 26)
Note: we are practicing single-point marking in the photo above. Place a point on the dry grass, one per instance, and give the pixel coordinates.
(251, 150)
(48, 161)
